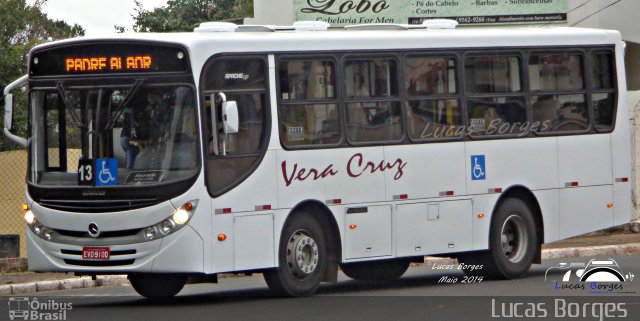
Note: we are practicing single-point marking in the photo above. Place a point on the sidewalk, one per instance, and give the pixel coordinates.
(597, 244)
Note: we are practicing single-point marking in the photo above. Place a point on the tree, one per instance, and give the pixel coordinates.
(184, 15)
(25, 26)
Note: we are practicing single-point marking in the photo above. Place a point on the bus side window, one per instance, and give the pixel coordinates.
(496, 105)
(603, 86)
(433, 108)
(372, 104)
(308, 109)
(554, 80)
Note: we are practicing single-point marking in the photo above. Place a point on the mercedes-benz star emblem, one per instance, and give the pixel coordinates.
(94, 231)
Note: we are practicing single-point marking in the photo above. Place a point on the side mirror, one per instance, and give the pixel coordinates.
(8, 111)
(230, 117)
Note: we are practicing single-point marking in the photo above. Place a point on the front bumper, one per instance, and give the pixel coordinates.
(180, 252)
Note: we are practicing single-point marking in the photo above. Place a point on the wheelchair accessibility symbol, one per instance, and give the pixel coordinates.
(106, 171)
(478, 171)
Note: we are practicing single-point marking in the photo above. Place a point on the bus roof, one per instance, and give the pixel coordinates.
(338, 39)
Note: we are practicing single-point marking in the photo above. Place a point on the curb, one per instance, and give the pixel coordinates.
(64, 284)
(114, 280)
(621, 249)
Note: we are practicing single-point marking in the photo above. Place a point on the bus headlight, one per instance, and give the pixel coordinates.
(167, 227)
(47, 234)
(29, 217)
(150, 232)
(181, 217)
(170, 225)
(37, 227)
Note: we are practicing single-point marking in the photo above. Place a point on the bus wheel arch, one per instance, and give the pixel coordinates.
(306, 251)
(331, 231)
(514, 237)
(525, 194)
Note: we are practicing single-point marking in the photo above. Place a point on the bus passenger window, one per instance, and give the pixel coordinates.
(430, 76)
(433, 110)
(372, 105)
(603, 86)
(496, 104)
(556, 113)
(434, 119)
(308, 110)
(554, 78)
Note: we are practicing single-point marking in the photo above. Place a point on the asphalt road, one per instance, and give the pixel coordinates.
(421, 294)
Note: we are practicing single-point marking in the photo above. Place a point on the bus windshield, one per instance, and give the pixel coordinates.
(108, 136)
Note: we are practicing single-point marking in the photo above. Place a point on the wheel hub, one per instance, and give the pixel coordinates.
(513, 238)
(302, 254)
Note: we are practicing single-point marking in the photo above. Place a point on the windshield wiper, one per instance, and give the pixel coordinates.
(63, 94)
(134, 88)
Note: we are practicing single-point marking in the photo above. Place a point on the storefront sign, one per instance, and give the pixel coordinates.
(347, 12)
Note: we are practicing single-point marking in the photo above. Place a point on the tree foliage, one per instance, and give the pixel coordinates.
(184, 15)
(23, 27)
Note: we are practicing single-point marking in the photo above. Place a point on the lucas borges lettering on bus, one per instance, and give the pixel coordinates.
(356, 167)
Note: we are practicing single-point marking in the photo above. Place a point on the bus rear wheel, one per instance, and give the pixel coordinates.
(302, 257)
(157, 286)
(385, 270)
(513, 243)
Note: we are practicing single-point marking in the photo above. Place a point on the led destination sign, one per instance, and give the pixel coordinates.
(108, 58)
(98, 64)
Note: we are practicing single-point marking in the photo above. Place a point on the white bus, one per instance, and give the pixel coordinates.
(296, 151)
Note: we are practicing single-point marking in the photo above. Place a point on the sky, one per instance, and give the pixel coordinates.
(97, 16)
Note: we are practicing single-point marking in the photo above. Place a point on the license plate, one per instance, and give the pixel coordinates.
(96, 253)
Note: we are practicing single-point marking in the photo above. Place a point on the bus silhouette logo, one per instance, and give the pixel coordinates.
(106, 171)
(18, 308)
(606, 271)
(478, 171)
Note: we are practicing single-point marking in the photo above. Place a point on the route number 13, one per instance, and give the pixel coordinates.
(85, 172)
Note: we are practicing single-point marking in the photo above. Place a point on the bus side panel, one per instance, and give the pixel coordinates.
(349, 175)
(253, 244)
(482, 204)
(549, 202)
(173, 254)
(530, 162)
(584, 209)
(432, 228)
(222, 257)
(623, 211)
(244, 200)
(429, 170)
(621, 158)
(585, 161)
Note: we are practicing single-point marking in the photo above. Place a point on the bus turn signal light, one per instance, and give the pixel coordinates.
(222, 237)
(481, 216)
(25, 207)
(353, 226)
(610, 205)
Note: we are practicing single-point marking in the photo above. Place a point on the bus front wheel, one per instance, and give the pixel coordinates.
(512, 243)
(302, 257)
(156, 286)
(385, 270)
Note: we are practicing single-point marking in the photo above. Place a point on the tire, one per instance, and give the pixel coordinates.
(302, 257)
(385, 270)
(157, 286)
(512, 243)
